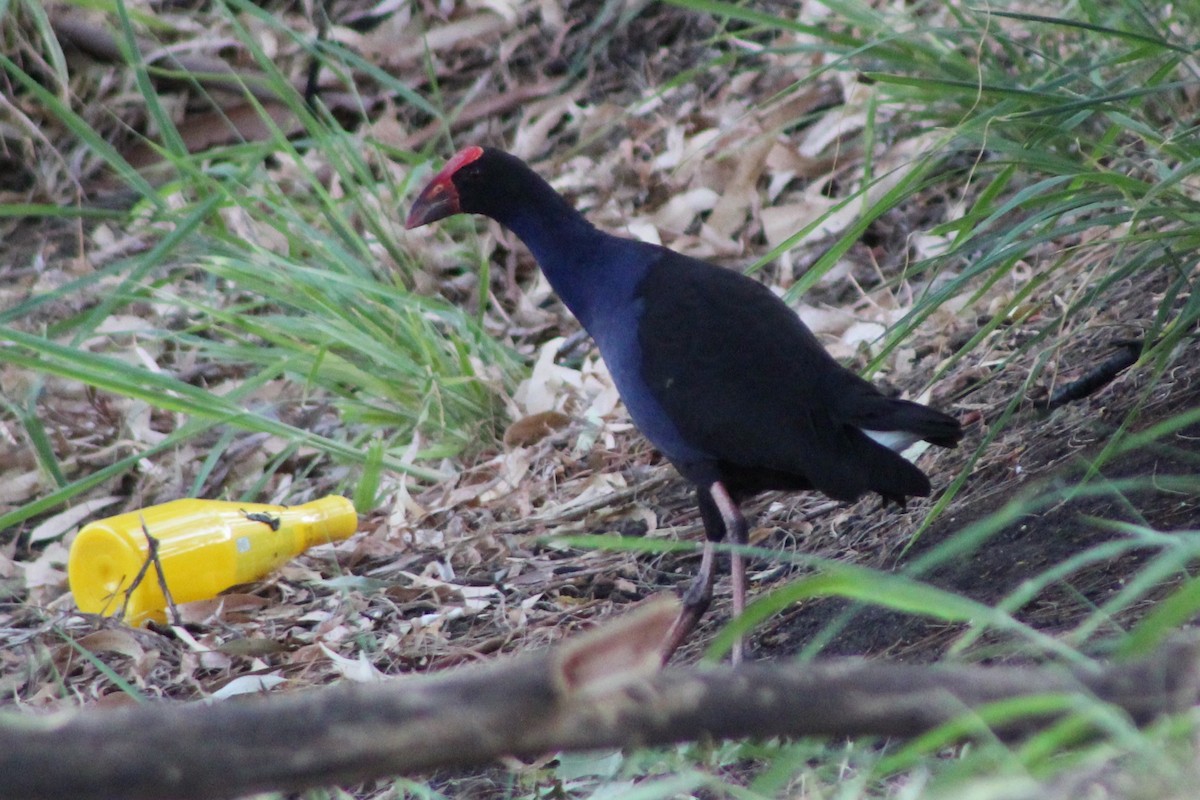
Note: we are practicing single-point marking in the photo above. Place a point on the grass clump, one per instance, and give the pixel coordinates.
(268, 263)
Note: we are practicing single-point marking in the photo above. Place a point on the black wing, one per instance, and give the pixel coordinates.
(745, 381)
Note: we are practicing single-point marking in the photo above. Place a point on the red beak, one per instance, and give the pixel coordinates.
(440, 198)
(437, 200)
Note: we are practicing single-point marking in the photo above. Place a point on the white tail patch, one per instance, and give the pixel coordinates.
(893, 440)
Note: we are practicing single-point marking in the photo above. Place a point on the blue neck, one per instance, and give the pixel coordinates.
(589, 269)
(597, 276)
(556, 234)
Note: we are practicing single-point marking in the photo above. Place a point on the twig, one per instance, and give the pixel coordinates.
(151, 558)
(1098, 376)
(485, 108)
(577, 511)
(321, 19)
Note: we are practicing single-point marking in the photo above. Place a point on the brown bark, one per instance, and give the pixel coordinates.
(599, 690)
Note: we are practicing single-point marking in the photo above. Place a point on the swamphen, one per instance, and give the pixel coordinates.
(716, 371)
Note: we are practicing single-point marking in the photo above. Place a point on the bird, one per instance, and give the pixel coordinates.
(716, 371)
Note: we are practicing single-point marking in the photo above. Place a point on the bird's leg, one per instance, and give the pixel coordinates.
(735, 524)
(695, 602)
(720, 514)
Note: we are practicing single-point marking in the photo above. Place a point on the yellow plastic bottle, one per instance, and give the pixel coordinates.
(204, 546)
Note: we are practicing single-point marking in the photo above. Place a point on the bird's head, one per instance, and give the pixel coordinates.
(474, 181)
(496, 184)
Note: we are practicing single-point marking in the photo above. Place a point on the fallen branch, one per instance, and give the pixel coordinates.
(599, 690)
(99, 42)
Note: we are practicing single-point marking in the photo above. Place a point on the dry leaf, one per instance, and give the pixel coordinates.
(64, 521)
(543, 390)
(739, 196)
(249, 684)
(532, 429)
(113, 640)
